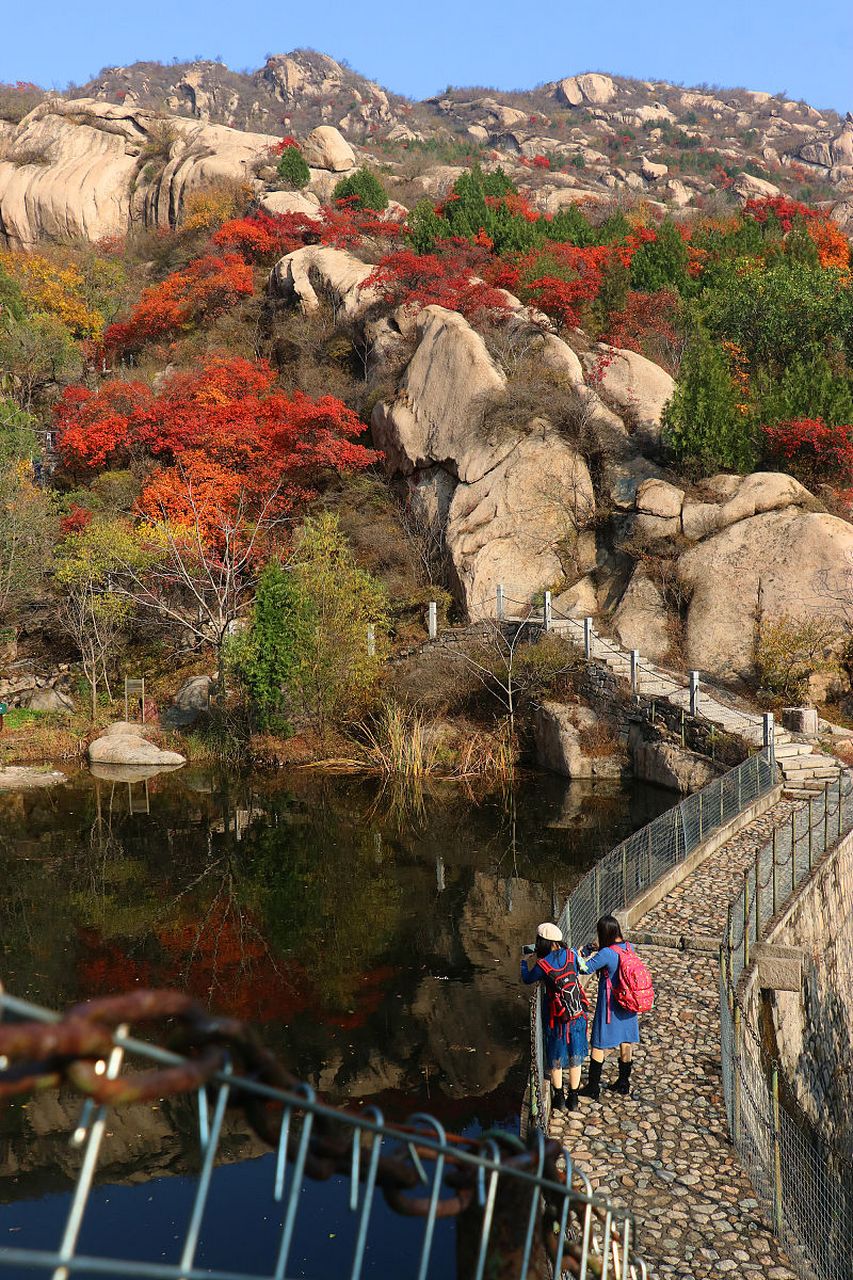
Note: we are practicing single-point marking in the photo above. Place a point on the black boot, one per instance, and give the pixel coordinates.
(592, 1088)
(623, 1084)
(571, 1099)
(558, 1099)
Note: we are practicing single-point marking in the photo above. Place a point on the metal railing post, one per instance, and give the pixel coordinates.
(811, 841)
(635, 670)
(746, 918)
(432, 620)
(793, 850)
(840, 823)
(694, 693)
(546, 611)
(773, 855)
(757, 897)
(770, 736)
(587, 638)
(825, 816)
(499, 602)
(777, 1156)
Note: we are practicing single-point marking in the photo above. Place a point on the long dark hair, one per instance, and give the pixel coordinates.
(609, 931)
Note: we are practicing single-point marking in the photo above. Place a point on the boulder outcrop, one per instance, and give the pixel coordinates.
(563, 734)
(787, 561)
(639, 388)
(123, 743)
(297, 277)
(83, 169)
(326, 148)
(590, 87)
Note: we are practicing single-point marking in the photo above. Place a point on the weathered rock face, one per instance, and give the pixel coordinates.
(125, 744)
(191, 701)
(668, 764)
(511, 503)
(781, 562)
(559, 730)
(591, 87)
(512, 524)
(297, 277)
(86, 170)
(326, 148)
(641, 620)
(438, 413)
(637, 387)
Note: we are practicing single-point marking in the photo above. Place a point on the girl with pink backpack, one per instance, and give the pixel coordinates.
(624, 990)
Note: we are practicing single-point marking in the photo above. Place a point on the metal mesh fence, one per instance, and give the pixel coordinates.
(806, 1186)
(517, 1208)
(639, 862)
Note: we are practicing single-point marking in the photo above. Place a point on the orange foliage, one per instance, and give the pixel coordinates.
(202, 290)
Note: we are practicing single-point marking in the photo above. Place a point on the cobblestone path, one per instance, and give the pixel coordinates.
(665, 1152)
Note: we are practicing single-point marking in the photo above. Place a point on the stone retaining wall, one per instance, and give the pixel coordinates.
(813, 1027)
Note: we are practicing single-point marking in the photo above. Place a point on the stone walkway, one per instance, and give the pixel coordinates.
(665, 1152)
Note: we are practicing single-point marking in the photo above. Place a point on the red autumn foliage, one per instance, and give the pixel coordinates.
(287, 141)
(200, 291)
(443, 279)
(227, 428)
(263, 237)
(646, 324)
(557, 279)
(78, 519)
(832, 245)
(541, 162)
(786, 212)
(813, 449)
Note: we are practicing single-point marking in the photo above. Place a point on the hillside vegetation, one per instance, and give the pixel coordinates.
(192, 465)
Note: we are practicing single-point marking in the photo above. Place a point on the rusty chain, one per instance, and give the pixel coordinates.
(71, 1051)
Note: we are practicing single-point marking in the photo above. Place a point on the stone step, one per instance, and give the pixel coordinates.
(809, 764)
(791, 750)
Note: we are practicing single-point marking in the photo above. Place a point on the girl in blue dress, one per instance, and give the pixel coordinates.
(613, 1027)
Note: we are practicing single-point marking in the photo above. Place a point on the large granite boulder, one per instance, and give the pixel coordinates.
(668, 764)
(787, 561)
(191, 701)
(84, 169)
(518, 523)
(437, 415)
(638, 387)
(297, 278)
(591, 87)
(326, 148)
(641, 620)
(563, 733)
(123, 743)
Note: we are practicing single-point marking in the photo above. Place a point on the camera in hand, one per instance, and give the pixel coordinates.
(528, 949)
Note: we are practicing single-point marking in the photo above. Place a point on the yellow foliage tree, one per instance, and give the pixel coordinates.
(54, 290)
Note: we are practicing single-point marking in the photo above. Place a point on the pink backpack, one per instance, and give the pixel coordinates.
(632, 987)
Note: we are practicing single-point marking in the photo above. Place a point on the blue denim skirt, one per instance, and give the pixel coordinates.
(566, 1045)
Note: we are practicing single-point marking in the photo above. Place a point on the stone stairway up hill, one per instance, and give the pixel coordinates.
(805, 769)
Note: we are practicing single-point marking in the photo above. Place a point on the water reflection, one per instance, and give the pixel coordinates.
(377, 945)
(375, 941)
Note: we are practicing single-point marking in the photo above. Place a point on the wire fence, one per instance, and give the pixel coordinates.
(517, 1208)
(638, 863)
(806, 1186)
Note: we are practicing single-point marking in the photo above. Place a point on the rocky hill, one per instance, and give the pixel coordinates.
(128, 145)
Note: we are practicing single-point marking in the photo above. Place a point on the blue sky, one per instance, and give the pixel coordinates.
(776, 45)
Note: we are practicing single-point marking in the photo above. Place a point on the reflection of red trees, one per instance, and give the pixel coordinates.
(223, 960)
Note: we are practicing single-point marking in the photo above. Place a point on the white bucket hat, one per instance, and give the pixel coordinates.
(549, 932)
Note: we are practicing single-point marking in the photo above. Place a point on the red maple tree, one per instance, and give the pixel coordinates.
(200, 291)
(228, 426)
